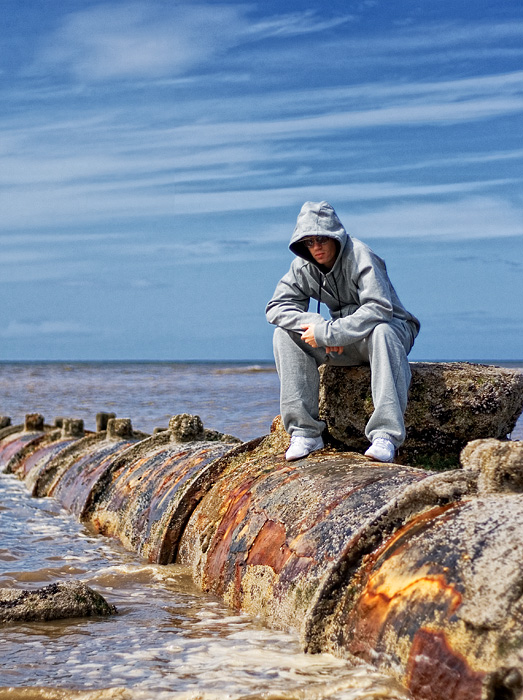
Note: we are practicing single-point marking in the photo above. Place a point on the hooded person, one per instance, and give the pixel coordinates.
(368, 325)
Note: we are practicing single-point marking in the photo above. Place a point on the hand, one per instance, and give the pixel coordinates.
(334, 348)
(308, 335)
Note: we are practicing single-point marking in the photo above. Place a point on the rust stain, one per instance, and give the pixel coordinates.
(398, 591)
(43, 455)
(414, 526)
(219, 554)
(270, 548)
(397, 600)
(12, 445)
(73, 486)
(436, 672)
(390, 587)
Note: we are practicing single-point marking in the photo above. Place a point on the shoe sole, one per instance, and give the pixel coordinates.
(295, 459)
(377, 459)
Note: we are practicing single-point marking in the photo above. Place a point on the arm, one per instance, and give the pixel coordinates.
(289, 305)
(308, 337)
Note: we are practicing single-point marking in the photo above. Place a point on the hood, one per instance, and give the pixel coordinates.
(316, 219)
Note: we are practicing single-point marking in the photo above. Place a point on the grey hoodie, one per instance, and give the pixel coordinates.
(357, 289)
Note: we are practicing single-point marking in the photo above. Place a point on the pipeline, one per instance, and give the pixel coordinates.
(416, 572)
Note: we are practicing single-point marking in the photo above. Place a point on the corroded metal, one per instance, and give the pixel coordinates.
(74, 480)
(439, 603)
(417, 572)
(45, 477)
(271, 534)
(47, 445)
(14, 438)
(147, 495)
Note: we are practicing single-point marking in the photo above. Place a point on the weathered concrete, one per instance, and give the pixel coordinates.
(54, 602)
(450, 403)
(185, 427)
(5, 422)
(499, 465)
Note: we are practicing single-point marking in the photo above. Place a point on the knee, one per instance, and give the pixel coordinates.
(280, 336)
(383, 331)
(384, 336)
(282, 340)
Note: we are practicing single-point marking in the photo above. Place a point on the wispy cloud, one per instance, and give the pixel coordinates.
(139, 39)
(109, 152)
(460, 219)
(140, 138)
(29, 329)
(94, 202)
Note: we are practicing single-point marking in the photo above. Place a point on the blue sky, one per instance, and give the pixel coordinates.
(154, 156)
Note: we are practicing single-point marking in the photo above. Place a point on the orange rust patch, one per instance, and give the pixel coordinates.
(219, 551)
(396, 602)
(390, 587)
(269, 548)
(436, 672)
(411, 528)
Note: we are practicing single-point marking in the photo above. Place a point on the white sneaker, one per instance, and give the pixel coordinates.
(381, 449)
(302, 446)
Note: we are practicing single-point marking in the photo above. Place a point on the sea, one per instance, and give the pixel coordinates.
(169, 640)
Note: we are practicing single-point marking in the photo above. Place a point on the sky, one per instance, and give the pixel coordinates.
(154, 156)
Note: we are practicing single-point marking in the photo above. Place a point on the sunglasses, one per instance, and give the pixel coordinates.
(311, 242)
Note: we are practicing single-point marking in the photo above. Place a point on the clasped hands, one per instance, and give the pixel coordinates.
(308, 337)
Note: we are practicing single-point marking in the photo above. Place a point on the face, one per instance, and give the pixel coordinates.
(324, 253)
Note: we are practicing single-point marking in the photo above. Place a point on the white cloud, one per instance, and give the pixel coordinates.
(139, 39)
(98, 202)
(28, 329)
(136, 40)
(294, 24)
(464, 218)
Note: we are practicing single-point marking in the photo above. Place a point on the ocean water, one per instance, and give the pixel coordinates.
(169, 640)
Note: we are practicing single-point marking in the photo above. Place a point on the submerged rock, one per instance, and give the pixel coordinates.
(53, 602)
(450, 403)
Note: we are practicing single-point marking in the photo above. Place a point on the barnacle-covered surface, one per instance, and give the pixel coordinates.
(73, 484)
(14, 438)
(150, 491)
(450, 403)
(38, 451)
(419, 573)
(439, 602)
(269, 531)
(48, 469)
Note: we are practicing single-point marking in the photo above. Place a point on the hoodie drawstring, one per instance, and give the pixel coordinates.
(319, 295)
(337, 295)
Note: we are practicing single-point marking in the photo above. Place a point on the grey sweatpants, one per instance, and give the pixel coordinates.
(385, 349)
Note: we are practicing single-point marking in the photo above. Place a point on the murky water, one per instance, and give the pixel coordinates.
(168, 640)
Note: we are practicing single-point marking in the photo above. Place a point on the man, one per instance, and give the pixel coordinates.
(368, 324)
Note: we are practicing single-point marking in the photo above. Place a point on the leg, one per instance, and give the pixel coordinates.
(388, 346)
(297, 364)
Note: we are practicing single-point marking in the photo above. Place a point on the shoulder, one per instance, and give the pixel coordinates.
(361, 253)
(302, 268)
